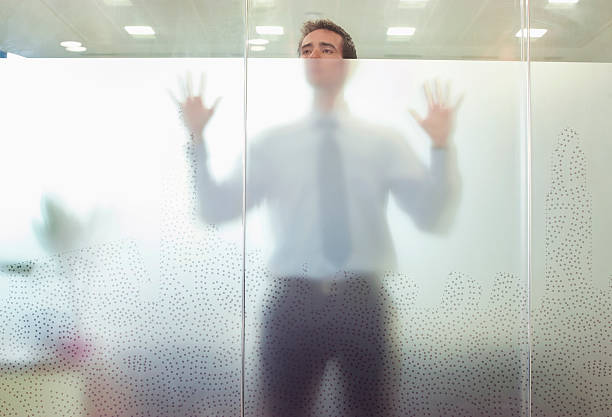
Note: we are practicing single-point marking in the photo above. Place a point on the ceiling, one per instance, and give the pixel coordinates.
(445, 29)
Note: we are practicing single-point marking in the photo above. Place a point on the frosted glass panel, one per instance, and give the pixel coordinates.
(116, 298)
(333, 237)
(428, 310)
(386, 227)
(571, 311)
(571, 291)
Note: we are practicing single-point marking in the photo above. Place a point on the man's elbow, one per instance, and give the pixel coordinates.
(441, 215)
(215, 214)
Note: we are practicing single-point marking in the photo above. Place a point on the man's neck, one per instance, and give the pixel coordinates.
(327, 101)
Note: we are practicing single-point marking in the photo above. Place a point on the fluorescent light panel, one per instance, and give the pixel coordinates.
(139, 30)
(401, 31)
(563, 1)
(533, 33)
(269, 30)
(76, 49)
(70, 44)
(258, 48)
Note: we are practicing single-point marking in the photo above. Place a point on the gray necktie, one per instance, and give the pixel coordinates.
(332, 196)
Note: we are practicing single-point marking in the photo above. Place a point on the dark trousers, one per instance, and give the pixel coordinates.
(307, 323)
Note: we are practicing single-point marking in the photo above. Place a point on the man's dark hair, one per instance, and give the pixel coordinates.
(348, 47)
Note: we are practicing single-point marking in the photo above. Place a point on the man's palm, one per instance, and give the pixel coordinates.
(196, 115)
(440, 118)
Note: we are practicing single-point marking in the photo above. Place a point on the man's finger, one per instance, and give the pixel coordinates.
(437, 91)
(427, 90)
(173, 97)
(447, 92)
(415, 115)
(183, 89)
(202, 84)
(189, 84)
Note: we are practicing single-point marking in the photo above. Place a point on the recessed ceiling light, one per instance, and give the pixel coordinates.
(269, 30)
(118, 2)
(401, 31)
(139, 30)
(258, 41)
(258, 48)
(533, 33)
(563, 1)
(76, 49)
(70, 44)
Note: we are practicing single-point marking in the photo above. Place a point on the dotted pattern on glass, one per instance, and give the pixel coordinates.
(462, 357)
(87, 339)
(91, 344)
(572, 353)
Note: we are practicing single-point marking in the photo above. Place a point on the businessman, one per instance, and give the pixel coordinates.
(326, 181)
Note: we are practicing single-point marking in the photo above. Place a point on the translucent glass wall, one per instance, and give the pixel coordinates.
(116, 297)
(420, 305)
(570, 309)
(197, 222)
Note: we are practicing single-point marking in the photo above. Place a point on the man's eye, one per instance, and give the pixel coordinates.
(328, 51)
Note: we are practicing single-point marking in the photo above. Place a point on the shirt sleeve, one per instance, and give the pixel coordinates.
(221, 201)
(429, 194)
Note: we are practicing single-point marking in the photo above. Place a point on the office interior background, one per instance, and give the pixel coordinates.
(116, 299)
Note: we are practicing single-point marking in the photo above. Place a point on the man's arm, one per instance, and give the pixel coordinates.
(430, 195)
(215, 201)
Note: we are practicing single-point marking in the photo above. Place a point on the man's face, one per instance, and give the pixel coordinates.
(328, 72)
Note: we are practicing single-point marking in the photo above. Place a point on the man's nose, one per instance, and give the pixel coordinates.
(316, 53)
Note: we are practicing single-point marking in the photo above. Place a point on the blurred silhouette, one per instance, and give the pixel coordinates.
(326, 181)
(60, 230)
(48, 335)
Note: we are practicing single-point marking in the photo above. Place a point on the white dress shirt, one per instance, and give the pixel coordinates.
(282, 173)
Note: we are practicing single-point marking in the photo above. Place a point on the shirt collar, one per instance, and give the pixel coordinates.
(339, 113)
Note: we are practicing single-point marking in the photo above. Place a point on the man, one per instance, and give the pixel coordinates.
(326, 181)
